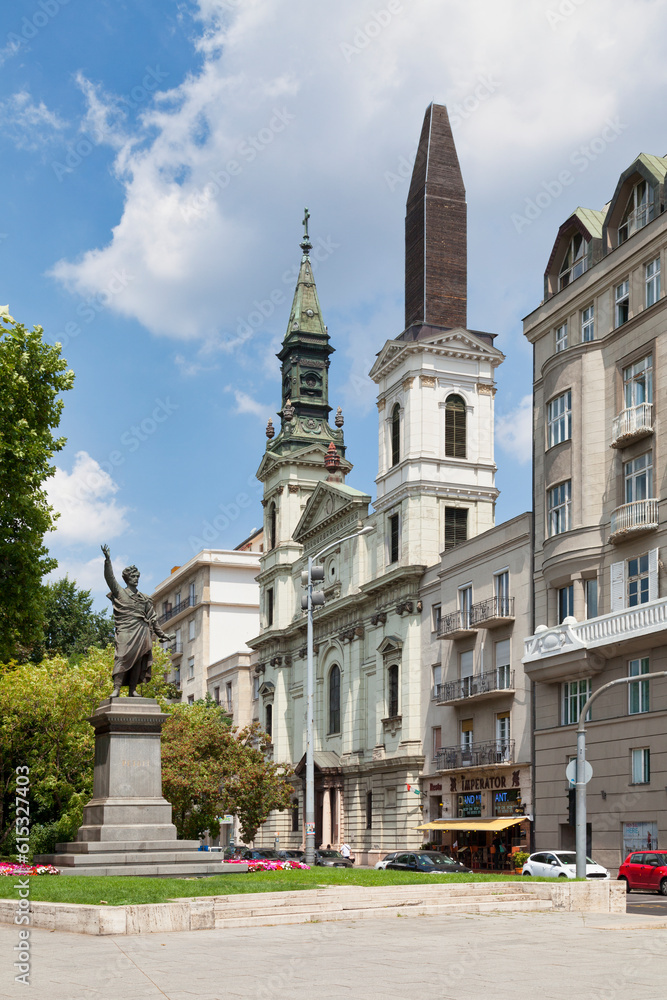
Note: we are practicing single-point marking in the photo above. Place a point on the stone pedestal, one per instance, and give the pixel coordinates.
(127, 828)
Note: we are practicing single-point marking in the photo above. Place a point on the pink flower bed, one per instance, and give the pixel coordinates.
(7, 868)
(266, 865)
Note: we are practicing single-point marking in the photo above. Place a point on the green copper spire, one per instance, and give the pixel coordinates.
(304, 359)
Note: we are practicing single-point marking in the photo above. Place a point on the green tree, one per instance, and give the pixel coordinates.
(32, 375)
(70, 624)
(210, 767)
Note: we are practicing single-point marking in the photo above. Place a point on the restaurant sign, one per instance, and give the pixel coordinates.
(463, 783)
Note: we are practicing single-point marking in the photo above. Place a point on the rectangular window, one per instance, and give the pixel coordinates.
(466, 734)
(191, 630)
(392, 691)
(465, 672)
(436, 617)
(255, 688)
(588, 324)
(575, 696)
(390, 798)
(393, 538)
(638, 693)
(465, 605)
(641, 766)
(638, 476)
(228, 695)
(558, 508)
(638, 382)
(561, 337)
(652, 282)
(369, 810)
(456, 526)
(178, 643)
(191, 594)
(591, 597)
(503, 733)
(622, 302)
(638, 581)
(437, 677)
(216, 695)
(269, 607)
(436, 734)
(559, 419)
(191, 666)
(501, 651)
(565, 603)
(191, 699)
(501, 587)
(177, 600)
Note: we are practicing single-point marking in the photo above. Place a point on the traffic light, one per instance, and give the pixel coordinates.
(572, 806)
(317, 596)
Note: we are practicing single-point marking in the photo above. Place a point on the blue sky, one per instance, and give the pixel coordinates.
(156, 159)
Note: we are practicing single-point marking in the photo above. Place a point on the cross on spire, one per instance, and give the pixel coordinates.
(305, 244)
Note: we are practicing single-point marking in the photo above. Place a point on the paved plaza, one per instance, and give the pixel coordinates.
(499, 956)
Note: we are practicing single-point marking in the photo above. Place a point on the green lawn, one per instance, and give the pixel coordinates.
(117, 890)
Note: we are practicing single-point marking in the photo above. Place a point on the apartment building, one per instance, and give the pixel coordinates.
(600, 593)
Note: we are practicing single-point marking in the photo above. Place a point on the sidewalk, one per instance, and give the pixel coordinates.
(551, 955)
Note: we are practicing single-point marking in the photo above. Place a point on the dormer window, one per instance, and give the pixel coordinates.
(639, 211)
(575, 261)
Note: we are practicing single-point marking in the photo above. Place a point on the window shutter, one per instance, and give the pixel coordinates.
(653, 575)
(617, 586)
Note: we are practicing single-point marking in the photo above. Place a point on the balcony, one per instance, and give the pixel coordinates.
(579, 649)
(477, 686)
(176, 648)
(457, 625)
(631, 424)
(633, 519)
(493, 612)
(475, 755)
(188, 602)
(636, 220)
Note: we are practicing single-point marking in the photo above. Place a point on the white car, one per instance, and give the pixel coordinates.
(561, 864)
(386, 859)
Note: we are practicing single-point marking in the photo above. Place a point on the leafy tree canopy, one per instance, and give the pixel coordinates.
(70, 624)
(32, 375)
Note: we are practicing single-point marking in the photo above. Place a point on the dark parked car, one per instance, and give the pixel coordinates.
(292, 855)
(427, 862)
(261, 854)
(645, 870)
(332, 859)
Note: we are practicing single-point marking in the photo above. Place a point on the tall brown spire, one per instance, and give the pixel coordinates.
(435, 230)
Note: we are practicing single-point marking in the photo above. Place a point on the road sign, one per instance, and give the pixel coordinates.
(571, 772)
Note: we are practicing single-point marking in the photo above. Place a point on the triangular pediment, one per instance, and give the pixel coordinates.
(310, 456)
(328, 503)
(457, 342)
(390, 644)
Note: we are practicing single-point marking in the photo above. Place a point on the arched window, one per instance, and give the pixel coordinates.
(395, 434)
(392, 691)
(268, 726)
(334, 699)
(272, 526)
(455, 427)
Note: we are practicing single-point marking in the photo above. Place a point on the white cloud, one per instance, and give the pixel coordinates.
(29, 125)
(514, 431)
(84, 498)
(246, 404)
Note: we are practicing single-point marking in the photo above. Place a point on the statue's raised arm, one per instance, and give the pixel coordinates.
(111, 581)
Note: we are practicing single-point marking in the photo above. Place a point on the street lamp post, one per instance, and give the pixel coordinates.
(310, 697)
(580, 785)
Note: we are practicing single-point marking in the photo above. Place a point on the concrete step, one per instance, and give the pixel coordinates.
(155, 870)
(97, 846)
(131, 858)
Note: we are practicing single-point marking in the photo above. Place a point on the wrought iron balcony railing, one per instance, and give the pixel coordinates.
(632, 424)
(495, 681)
(187, 602)
(456, 625)
(633, 519)
(494, 611)
(475, 755)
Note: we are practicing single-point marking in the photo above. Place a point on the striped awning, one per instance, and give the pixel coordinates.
(474, 823)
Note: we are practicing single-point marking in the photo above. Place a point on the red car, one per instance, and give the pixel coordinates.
(645, 870)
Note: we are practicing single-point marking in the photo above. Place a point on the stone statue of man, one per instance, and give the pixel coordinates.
(136, 623)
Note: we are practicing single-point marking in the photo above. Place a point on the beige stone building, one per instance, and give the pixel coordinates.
(476, 785)
(211, 603)
(600, 592)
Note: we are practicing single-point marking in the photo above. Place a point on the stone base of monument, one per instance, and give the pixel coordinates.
(127, 828)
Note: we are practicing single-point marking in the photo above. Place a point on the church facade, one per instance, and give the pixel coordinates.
(435, 490)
